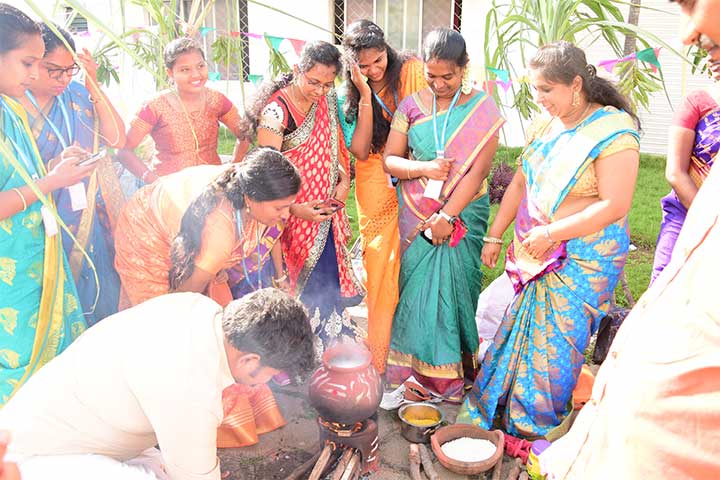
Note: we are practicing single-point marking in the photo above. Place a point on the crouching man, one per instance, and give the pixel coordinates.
(152, 375)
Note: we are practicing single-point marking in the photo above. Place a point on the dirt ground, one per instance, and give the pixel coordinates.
(281, 451)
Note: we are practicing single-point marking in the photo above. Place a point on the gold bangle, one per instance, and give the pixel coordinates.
(365, 104)
(22, 198)
(276, 281)
(495, 240)
(407, 170)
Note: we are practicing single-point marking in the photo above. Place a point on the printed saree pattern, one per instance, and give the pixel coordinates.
(93, 226)
(40, 312)
(434, 323)
(377, 206)
(533, 365)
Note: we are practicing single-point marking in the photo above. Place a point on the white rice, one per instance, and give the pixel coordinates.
(466, 449)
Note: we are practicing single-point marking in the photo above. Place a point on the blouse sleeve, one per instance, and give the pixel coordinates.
(624, 142)
(274, 117)
(218, 242)
(690, 110)
(145, 120)
(401, 119)
(230, 117)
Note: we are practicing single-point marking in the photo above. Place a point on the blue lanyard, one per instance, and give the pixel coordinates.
(440, 147)
(66, 119)
(382, 104)
(29, 165)
(238, 220)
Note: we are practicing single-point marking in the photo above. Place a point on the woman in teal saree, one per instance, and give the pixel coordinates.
(39, 307)
(570, 204)
(451, 134)
(63, 112)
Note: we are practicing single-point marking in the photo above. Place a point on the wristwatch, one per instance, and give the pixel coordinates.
(450, 219)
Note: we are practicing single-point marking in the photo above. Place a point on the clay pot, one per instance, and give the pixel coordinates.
(346, 388)
(451, 432)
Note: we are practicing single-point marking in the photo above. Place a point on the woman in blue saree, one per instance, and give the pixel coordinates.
(451, 133)
(39, 309)
(61, 113)
(569, 200)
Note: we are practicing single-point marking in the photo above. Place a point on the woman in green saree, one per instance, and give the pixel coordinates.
(39, 307)
(451, 134)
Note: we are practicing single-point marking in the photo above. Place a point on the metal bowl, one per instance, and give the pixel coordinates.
(427, 413)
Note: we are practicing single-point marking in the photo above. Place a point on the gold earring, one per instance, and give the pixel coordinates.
(576, 98)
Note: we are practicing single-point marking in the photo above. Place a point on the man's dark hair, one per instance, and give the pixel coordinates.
(275, 326)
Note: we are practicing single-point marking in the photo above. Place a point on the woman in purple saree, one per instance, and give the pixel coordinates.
(693, 142)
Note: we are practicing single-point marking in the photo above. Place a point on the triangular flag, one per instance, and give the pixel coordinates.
(297, 44)
(505, 85)
(255, 79)
(608, 65)
(503, 75)
(214, 76)
(252, 35)
(234, 34)
(275, 42)
(205, 30)
(649, 56)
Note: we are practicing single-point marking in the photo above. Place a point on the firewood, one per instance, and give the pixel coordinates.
(497, 471)
(353, 468)
(321, 463)
(342, 464)
(427, 463)
(300, 471)
(415, 462)
(515, 470)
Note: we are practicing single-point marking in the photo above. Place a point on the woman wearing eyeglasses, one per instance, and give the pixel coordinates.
(298, 115)
(63, 112)
(39, 308)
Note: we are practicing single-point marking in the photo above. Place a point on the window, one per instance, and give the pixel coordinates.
(405, 22)
(75, 23)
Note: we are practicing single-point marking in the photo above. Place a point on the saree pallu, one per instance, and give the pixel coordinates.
(533, 365)
(702, 157)
(318, 150)
(144, 234)
(40, 312)
(377, 207)
(434, 329)
(93, 226)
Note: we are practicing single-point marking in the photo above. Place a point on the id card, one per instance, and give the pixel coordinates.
(433, 189)
(78, 196)
(51, 226)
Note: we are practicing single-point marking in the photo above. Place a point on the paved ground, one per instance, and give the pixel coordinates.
(281, 451)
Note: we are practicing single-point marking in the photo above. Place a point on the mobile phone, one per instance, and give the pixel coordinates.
(93, 158)
(427, 235)
(332, 203)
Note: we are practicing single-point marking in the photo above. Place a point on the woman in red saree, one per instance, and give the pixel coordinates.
(298, 115)
(184, 231)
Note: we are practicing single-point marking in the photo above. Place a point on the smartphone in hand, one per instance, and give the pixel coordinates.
(93, 158)
(332, 203)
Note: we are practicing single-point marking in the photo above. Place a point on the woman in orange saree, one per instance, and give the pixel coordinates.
(298, 115)
(366, 110)
(181, 234)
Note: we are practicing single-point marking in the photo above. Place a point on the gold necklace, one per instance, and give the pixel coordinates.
(582, 117)
(189, 120)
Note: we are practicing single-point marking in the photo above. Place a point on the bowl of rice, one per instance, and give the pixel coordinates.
(467, 449)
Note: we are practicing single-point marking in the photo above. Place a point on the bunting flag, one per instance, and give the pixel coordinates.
(214, 76)
(650, 55)
(86, 33)
(234, 34)
(275, 42)
(255, 79)
(503, 75)
(253, 35)
(205, 30)
(297, 44)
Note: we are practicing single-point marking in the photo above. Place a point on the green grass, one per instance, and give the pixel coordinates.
(645, 216)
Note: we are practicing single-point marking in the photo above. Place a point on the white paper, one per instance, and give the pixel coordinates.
(78, 196)
(51, 226)
(433, 189)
